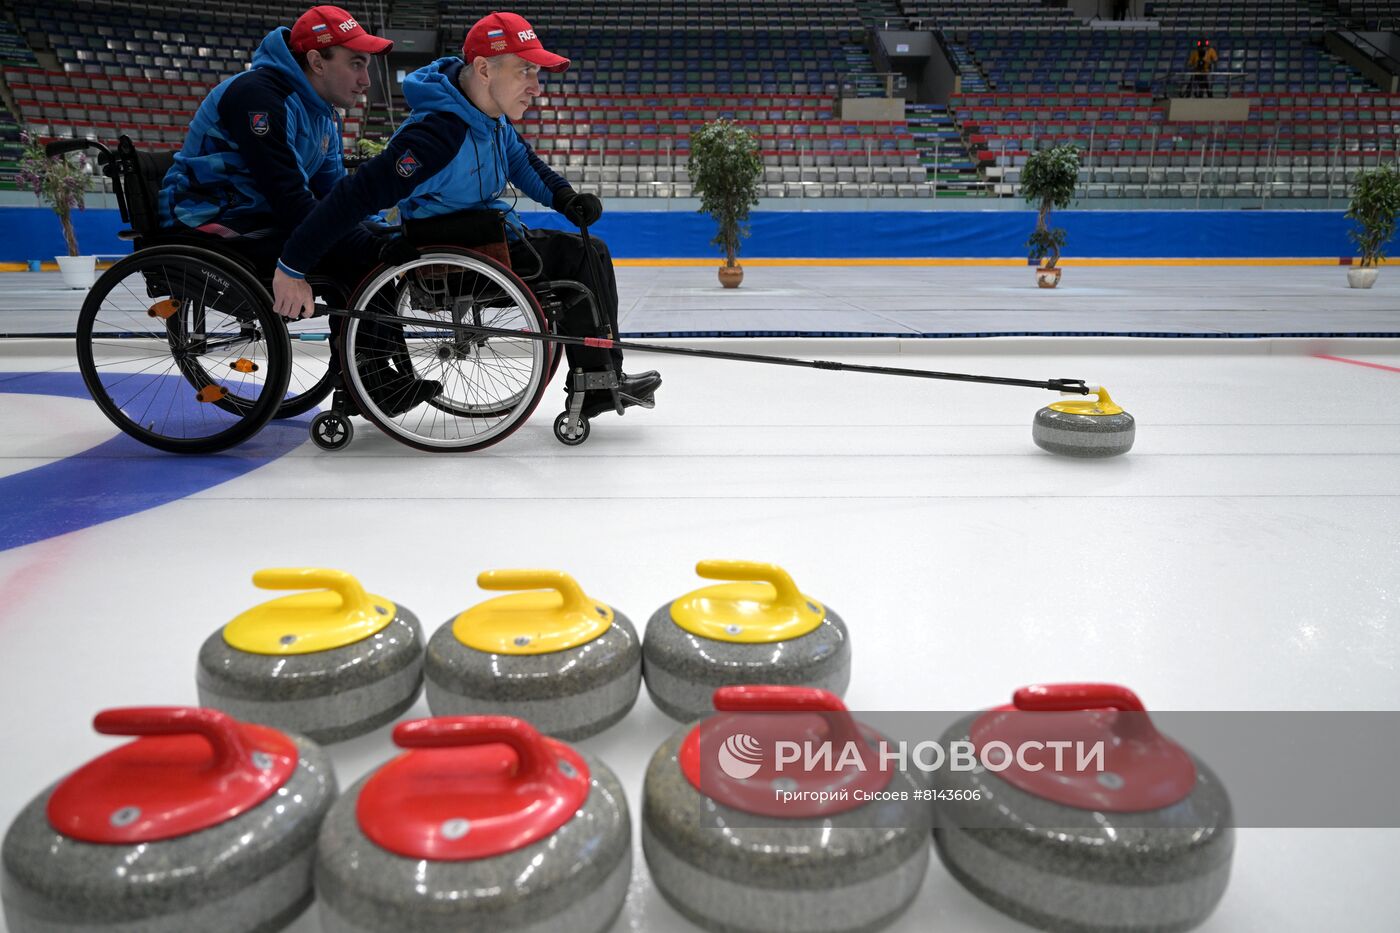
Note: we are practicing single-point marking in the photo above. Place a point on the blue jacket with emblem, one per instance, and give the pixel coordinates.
(447, 156)
(262, 148)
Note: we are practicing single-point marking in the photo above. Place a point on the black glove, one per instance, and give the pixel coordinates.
(581, 210)
(395, 251)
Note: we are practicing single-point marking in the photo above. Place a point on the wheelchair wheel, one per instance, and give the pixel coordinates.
(331, 430)
(485, 406)
(313, 354)
(561, 432)
(180, 348)
(489, 384)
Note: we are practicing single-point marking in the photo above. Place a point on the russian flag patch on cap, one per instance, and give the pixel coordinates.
(320, 28)
(493, 33)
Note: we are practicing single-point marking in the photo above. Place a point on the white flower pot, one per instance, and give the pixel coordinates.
(78, 271)
(1362, 278)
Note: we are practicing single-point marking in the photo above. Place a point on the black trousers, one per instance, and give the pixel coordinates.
(345, 264)
(563, 257)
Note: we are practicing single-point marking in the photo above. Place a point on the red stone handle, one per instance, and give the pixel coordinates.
(1060, 698)
(779, 698)
(532, 755)
(219, 729)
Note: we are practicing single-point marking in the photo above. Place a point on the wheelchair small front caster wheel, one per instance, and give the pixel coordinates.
(561, 430)
(331, 430)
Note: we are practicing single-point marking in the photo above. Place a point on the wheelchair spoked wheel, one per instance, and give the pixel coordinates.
(313, 366)
(488, 385)
(181, 350)
(488, 314)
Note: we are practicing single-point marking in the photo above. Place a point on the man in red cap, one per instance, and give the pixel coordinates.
(459, 151)
(266, 143)
(265, 146)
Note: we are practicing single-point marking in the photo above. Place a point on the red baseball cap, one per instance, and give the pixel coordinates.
(508, 34)
(324, 26)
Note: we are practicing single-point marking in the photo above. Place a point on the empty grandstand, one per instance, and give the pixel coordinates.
(1008, 77)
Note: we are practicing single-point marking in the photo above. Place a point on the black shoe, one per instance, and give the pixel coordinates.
(640, 385)
(396, 393)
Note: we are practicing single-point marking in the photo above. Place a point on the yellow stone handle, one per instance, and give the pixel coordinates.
(1099, 392)
(575, 600)
(352, 595)
(749, 570)
(1103, 403)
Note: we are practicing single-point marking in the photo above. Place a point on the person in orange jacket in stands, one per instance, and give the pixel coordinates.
(1201, 64)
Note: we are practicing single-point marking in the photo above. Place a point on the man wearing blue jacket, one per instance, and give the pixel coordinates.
(264, 147)
(265, 144)
(459, 151)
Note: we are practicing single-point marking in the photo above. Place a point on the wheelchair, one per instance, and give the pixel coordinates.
(180, 348)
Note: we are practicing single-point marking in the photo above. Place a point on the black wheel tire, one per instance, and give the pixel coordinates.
(159, 261)
(565, 439)
(331, 430)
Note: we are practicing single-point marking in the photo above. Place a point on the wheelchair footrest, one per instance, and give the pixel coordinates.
(593, 380)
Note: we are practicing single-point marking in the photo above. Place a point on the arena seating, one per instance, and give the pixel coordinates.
(646, 19)
(13, 50)
(1293, 145)
(990, 14)
(154, 112)
(647, 73)
(1313, 121)
(1098, 61)
(1237, 15)
(641, 143)
(10, 148)
(1372, 14)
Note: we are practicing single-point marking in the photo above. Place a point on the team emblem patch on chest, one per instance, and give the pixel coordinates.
(406, 165)
(258, 122)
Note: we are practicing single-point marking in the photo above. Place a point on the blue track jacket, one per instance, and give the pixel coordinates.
(447, 156)
(262, 148)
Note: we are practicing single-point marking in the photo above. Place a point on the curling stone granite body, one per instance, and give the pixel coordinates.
(1157, 870)
(736, 872)
(568, 694)
(251, 874)
(574, 881)
(329, 695)
(682, 669)
(1073, 429)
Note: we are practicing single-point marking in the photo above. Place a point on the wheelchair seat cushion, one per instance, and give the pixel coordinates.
(482, 232)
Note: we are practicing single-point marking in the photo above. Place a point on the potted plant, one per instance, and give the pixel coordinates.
(367, 148)
(725, 169)
(60, 182)
(1048, 180)
(1375, 200)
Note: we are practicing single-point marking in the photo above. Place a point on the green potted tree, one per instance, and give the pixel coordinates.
(60, 182)
(1048, 181)
(1375, 200)
(725, 169)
